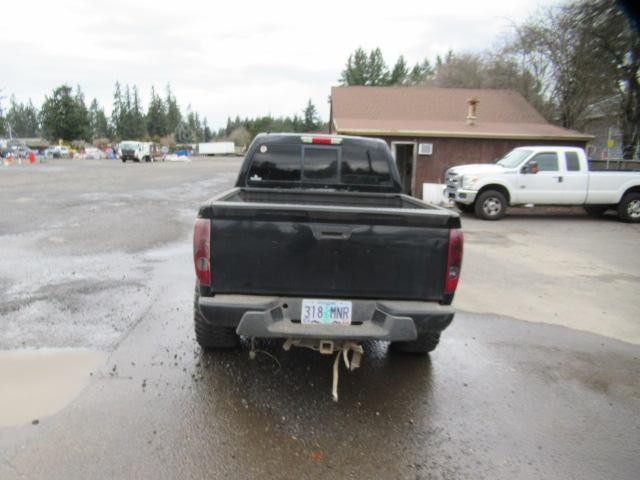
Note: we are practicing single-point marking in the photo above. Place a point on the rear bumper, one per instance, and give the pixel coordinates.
(278, 317)
(460, 195)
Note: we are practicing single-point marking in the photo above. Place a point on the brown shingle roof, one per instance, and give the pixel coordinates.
(440, 112)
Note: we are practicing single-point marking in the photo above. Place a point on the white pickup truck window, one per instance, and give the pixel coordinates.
(573, 163)
(547, 162)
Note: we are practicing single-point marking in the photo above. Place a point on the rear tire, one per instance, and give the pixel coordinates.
(595, 210)
(425, 343)
(464, 208)
(629, 208)
(491, 205)
(212, 337)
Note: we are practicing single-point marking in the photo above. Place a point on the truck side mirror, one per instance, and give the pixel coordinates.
(531, 167)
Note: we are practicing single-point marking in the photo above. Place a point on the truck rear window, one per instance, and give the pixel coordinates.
(321, 164)
(276, 163)
(330, 165)
(362, 166)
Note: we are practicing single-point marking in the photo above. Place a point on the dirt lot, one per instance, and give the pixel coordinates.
(101, 377)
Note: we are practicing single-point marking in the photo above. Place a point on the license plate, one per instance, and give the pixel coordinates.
(326, 312)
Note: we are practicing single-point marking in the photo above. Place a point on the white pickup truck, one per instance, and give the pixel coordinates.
(543, 176)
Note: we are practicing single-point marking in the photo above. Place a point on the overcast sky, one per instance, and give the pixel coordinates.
(236, 57)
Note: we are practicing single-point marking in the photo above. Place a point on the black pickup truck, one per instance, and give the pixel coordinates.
(317, 244)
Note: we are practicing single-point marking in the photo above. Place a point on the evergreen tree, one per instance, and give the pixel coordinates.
(208, 134)
(363, 69)
(62, 116)
(82, 116)
(98, 124)
(156, 116)
(174, 117)
(400, 72)
(126, 115)
(422, 72)
(137, 125)
(118, 112)
(377, 71)
(356, 70)
(23, 118)
(311, 120)
(184, 134)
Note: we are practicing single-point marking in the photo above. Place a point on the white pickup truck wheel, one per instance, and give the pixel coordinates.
(491, 205)
(629, 208)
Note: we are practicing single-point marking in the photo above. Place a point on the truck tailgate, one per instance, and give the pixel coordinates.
(328, 251)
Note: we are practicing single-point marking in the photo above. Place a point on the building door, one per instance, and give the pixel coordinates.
(404, 153)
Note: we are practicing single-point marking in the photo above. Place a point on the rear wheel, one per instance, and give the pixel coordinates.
(629, 208)
(595, 210)
(464, 208)
(425, 343)
(211, 337)
(491, 205)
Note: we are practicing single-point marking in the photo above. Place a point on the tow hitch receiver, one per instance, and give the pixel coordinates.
(328, 347)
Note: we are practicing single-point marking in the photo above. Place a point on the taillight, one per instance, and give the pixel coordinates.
(202, 250)
(321, 140)
(454, 260)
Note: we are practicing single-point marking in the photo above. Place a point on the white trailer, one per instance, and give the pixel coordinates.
(216, 148)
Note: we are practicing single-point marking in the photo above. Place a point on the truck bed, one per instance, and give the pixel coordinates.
(328, 244)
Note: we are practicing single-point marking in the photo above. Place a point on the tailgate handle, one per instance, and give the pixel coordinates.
(332, 233)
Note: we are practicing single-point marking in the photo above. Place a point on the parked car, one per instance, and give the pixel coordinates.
(316, 244)
(92, 153)
(543, 176)
(59, 151)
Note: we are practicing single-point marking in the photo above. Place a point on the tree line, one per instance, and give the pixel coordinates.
(64, 115)
(242, 130)
(562, 59)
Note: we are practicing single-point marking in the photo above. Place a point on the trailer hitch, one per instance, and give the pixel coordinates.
(350, 351)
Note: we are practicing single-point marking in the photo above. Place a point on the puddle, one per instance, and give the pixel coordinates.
(39, 383)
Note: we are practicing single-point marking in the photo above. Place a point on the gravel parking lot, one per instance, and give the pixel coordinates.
(536, 378)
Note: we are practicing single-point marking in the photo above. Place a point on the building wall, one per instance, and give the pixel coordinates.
(449, 152)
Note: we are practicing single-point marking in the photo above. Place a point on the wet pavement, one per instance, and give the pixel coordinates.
(39, 382)
(500, 398)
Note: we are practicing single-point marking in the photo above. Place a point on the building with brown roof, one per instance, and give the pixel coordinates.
(430, 129)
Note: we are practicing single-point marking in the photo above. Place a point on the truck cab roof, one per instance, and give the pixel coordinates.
(319, 161)
(546, 148)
